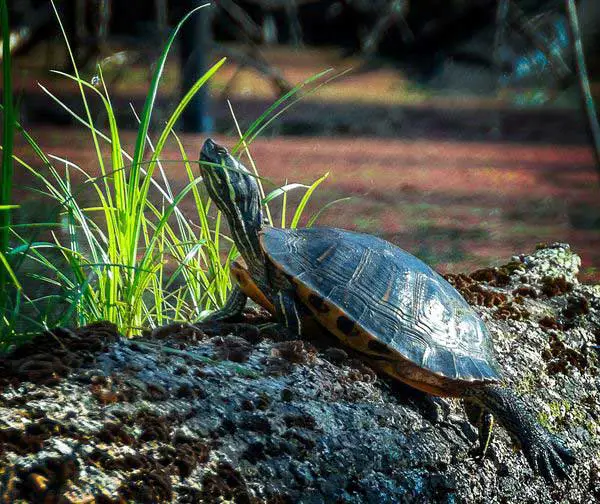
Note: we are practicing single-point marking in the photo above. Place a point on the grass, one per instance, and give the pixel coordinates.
(7, 318)
(130, 256)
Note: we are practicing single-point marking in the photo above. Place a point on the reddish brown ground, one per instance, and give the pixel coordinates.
(457, 205)
(453, 196)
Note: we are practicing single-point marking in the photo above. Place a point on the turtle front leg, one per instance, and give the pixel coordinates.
(232, 308)
(546, 453)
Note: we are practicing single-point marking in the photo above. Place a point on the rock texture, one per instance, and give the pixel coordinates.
(229, 413)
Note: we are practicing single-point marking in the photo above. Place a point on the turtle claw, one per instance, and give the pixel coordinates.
(565, 453)
(548, 456)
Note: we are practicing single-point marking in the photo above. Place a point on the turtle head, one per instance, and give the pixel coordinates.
(235, 192)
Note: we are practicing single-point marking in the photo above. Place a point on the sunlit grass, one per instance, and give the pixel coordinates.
(116, 249)
(117, 252)
(129, 255)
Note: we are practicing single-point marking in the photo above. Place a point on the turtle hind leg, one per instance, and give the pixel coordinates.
(232, 308)
(484, 422)
(545, 453)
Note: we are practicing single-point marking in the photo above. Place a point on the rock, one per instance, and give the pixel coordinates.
(553, 261)
(194, 413)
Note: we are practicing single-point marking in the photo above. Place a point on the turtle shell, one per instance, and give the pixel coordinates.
(386, 302)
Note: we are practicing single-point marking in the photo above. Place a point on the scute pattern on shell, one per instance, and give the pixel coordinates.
(392, 295)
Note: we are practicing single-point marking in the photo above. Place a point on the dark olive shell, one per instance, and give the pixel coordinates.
(394, 299)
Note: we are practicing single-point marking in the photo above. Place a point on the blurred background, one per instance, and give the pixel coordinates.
(456, 127)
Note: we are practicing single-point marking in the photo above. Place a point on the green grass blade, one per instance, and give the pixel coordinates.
(136, 196)
(147, 259)
(10, 272)
(275, 193)
(8, 132)
(317, 214)
(167, 131)
(84, 101)
(267, 121)
(138, 154)
(261, 119)
(304, 200)
(178, 111)
(284, 208)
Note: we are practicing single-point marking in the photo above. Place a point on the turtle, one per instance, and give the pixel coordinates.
(397, 313)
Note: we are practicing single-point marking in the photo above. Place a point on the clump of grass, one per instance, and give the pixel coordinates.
(117, 251)
(132, 257)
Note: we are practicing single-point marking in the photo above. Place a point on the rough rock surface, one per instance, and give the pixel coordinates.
(227, 413)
